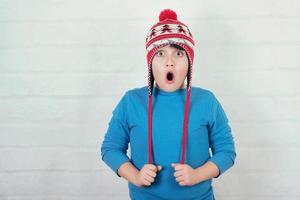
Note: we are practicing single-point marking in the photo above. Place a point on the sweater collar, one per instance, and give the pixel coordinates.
(162, 92)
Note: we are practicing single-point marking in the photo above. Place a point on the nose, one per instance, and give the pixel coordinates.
(170, 61)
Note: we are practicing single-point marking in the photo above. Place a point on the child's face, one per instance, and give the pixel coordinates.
(170, 60)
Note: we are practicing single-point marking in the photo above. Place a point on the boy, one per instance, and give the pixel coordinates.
(169, 159)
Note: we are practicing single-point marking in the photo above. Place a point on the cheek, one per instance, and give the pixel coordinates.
(183, 73)
(156, 70)
(183, 69)
(156, 63)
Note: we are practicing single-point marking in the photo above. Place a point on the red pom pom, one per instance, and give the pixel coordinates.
(167, 14)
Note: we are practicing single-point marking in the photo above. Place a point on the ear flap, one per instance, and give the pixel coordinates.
(188, 76)
(150, 80)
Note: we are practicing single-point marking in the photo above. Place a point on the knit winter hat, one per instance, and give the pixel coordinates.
(168, 31)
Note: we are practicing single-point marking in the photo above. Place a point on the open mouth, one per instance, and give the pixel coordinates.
(170, 77)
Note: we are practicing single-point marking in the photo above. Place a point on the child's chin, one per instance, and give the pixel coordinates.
(169, 87)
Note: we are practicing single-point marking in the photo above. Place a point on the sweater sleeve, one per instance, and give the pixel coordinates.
(221, 139)
(115, 144)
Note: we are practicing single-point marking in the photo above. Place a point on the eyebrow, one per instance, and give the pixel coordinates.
(174, 50)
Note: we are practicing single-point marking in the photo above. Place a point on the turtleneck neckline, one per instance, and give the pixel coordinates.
(160, 91)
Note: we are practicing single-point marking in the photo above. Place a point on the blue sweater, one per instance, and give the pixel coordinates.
(207, 128)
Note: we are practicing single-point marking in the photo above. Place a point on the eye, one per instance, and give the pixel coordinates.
(160, 53)
(180, 53)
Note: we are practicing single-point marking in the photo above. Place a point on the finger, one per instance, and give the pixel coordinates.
(182, 183)
(179, 179)
(178, 168)
(151, 167)
(150, 173)
(174, 164)
(145, 182)
(178, 173)
(149, 178)
(159, 168)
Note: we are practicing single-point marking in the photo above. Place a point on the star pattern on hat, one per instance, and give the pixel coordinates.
(168, 29)
(153, 33)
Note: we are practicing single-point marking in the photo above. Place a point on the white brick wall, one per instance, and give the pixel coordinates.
(65, 64)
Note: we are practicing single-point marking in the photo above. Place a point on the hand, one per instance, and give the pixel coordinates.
(147, 175)
(185, 174)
